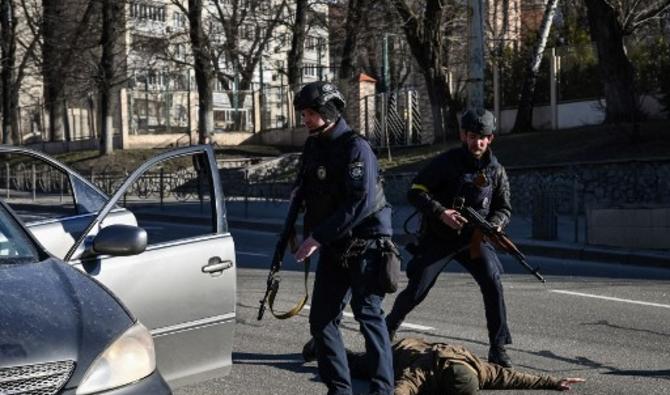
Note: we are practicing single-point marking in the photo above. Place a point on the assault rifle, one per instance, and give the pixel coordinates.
(286, 237)
(496, 236)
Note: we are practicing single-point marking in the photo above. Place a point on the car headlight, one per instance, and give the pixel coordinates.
(129, 358)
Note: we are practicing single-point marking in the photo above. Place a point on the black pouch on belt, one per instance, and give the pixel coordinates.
(353, 251)
(390, 262)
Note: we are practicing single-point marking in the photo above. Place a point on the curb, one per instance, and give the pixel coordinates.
(528, 247)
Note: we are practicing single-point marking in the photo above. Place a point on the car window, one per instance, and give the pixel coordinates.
(39, 188)
(173, 200)
(15, 246)
(35, 189)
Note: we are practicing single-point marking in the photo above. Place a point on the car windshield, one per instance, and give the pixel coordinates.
(15, 246)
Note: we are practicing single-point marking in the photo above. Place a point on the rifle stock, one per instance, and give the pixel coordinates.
(497, 237)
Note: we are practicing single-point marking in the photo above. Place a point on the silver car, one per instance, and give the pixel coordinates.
(183, 286)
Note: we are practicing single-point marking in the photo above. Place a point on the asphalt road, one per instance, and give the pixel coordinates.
(607, 323)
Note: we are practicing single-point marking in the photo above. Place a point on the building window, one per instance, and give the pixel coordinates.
(178, 20)
(310, 70)
(140, 10)
(312, 43)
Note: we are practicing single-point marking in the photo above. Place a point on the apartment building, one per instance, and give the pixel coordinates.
(162, 94)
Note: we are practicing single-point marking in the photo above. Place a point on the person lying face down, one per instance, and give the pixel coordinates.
(422, 367)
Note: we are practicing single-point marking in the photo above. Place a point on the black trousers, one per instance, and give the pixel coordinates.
(430, 261)
(334, 287)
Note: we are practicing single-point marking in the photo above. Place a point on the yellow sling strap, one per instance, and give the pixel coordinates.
(298, 307)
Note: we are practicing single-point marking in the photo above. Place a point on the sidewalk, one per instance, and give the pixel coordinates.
(269, 216)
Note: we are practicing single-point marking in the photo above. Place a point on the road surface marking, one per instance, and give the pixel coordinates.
(404, 324)
(252, 253)
(610, 298)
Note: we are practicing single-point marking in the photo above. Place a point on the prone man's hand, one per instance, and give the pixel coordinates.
(306, 249)
(453, 219)
(564, 384)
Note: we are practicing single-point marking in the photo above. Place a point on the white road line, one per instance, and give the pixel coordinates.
(252, 254)
(558, 291)
(404, 324)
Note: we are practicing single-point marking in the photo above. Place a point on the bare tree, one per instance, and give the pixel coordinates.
(295, 54)
(7, 60)
(353, 24)
(611, 21)
(498, 26)
(18, 44)
(524, 115)
(204, 72)
(64, 31)
(242, 52)
(112, 12)
(426, 34)
(356, 37)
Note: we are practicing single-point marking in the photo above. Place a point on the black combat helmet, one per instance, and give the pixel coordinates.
(479, 121)
(322, 97)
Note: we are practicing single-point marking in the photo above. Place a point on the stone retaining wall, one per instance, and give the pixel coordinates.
(592, 185)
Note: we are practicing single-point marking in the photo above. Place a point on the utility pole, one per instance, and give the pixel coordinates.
(476, 55)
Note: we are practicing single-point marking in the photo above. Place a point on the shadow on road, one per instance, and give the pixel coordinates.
(292, 362)
(607, 324)
(664, 374)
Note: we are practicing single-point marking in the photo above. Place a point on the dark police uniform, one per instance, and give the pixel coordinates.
(484, 186)
(344, 199)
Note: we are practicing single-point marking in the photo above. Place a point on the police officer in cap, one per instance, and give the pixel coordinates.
(473, 174)
(346, 215)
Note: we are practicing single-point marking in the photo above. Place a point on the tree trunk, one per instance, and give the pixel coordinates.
(110, 22)
(203, 72)
(8, 59)
(295, 54)
(426, 40)
(616, 69)
(524, 115)
(54, 85)
(352, 31)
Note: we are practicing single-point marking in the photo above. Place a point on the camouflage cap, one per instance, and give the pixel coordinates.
(479, 121)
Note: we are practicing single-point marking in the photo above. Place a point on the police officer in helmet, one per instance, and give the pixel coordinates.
(346, 215)
(470, 173)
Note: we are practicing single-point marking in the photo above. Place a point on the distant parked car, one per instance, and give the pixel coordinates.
(182, 287)
(63, 332)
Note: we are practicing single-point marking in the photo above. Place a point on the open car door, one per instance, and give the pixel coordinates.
(183, 286)
(55, 202)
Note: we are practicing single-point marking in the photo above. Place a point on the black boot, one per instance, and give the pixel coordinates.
(392, 329)
(498, 355)
(309, 351)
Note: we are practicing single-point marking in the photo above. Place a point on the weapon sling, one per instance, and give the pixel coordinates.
(295, 309)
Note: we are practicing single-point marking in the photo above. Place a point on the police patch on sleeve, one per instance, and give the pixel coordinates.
(356, 171)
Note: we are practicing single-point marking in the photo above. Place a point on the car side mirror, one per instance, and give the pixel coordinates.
(120, 240)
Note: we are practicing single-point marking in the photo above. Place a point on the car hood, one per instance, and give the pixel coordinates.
(50, 311)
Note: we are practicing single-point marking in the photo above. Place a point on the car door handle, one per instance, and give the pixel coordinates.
(215, 265)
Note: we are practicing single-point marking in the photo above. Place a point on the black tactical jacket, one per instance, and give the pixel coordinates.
(341, 184)
(446, 177)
